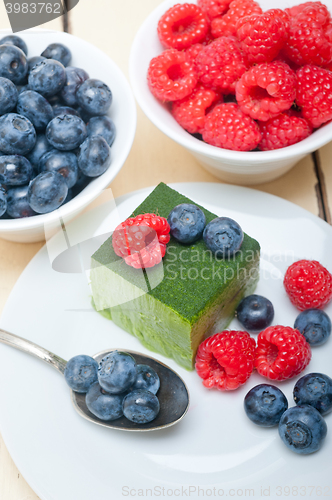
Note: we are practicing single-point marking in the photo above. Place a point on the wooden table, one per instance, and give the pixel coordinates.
(111, 26)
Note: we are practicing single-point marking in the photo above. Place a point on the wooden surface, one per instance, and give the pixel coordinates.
(112, 26)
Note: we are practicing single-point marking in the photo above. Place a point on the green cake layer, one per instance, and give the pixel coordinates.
(173, 306)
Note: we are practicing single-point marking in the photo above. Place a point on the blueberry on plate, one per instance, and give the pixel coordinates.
(36, 108)
(61, 162)
(15, 40)
(17, 203)
(223, 236)
(47, 77)
(302, 429)
(8, 95)
(75, 78)
(147, 379)
(314, 389)
(81, 372)
(255, 312)
(94, 157)
(47, 192)
(94, 96)
(117, 372)
(33, 61)
(42, 146)
(64, 110)
(315, 326)
(17, 134)
(58, 52)
(102, 125)
(15, 170)
(13, 64)
(264, 405)
(102, 404)
(140, 406)
(66, 132)
(187, 223)
(3, 201)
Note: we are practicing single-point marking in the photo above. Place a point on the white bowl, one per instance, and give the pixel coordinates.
(122, 112)
(232, 166)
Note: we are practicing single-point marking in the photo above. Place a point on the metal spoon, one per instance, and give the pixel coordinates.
(173, 394)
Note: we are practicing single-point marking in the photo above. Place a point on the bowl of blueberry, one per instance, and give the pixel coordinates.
(67, 124)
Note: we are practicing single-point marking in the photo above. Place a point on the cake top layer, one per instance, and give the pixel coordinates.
(193, 277)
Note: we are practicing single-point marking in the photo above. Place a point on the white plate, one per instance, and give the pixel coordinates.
(215, 448)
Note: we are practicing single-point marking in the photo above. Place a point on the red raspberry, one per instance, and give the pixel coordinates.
(266, 90)
(190, 112)
(281, 353)
(220, 64)
(226, 360)
(214, 8)
(321, 11)
(283, 130)
(193, 52)
(141, 240)
(263, 36)
(308, 284)
(182, 25)
(171, 76)
(314, 94)
(226, 25)
(229, 128)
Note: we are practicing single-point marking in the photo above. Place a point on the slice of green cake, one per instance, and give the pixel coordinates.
(173, 306)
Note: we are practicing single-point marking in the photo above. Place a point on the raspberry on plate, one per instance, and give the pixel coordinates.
(308, 284)
(171, 76)
(283, 130)
(214, 8)
(182, 25)
(282, 353)
(229, 128)
(141, 241)
(226, 25)
(314, 94)
(266, 90)
(226, 360)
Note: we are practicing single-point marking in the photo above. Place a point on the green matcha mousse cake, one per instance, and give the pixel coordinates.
(190, 295)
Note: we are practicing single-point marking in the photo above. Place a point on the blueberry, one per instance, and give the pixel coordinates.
(33, 61)
(42, 146)
(55, 100)
(95, 156)
(75, 78)
(314, 389)
(17, 203)
(102, 404)
(81, 372)
(13, 64)
(82, 182)
(64, 110)
(8, 95)
(94, 96)
(264, 405)
(22, 88)
(147, 379)
(63, 163)
(255, 312)
(187, 223)
(15, 170)
(66, 132)
(117, 372)
(83, 114)
(35, 107)
(302, 429)
(47, 192)
(3, 201)
(15, 40)
(102, 125)
(223, 236)
(315, 326)
(58, 52)
(47, 77)
(17, 134)
(140, 406)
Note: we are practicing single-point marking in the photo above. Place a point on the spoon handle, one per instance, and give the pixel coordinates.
(33, 349)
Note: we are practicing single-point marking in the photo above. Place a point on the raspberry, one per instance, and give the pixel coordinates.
(314, 94)
(317, 9)
(190, 112)
(308, 284)
(171, 76)
(226, 360)
(281, 353)
(266, 90)
(182, 25)
(282, 131)
(226, 25)
(227, 127)
(214, 8)
(141, 240)
(193, 52)
(263, 36)
(220, 64)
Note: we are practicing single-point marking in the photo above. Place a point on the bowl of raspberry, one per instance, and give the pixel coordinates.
(244, 85)
(67, 124)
